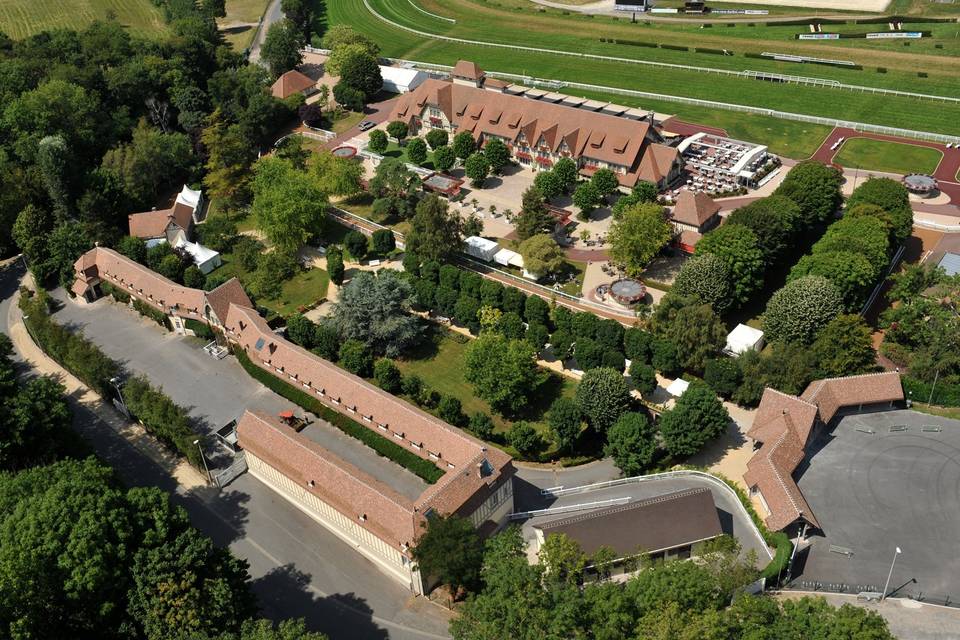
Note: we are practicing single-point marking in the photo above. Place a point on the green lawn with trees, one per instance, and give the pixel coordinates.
(889, 157)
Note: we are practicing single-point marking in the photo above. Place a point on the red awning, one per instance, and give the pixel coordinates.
(286, 415)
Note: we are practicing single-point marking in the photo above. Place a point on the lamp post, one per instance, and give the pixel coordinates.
(120, 403)
(883, 596)
(204, 459)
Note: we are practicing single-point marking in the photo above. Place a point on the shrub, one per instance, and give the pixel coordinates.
(383, 242)
(800, 309)
(117, 294)
(356, 358)
(450, 410)
(524, 438)
(411, 386)
(156, 315)
(356, 244)
(200, 329)
(387, 375)
(481, 425)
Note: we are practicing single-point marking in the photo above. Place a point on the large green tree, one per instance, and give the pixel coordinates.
(150, 163)
(638, 236)
(815, 188)
(603, 396)
(450, 550)
(281, 48)
(706, 279)
(534, 217)
(632, 443)
(504, 372)
(435, 232)
(740, 250)
(774, 220)
(542, 255)
(697, 418)
(289, 207)
(800, 309)
(375, 309)
(891, 196)
(844, 347)
(851, 273)
(695, 329)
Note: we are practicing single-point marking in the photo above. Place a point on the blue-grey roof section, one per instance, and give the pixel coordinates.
(950, 262)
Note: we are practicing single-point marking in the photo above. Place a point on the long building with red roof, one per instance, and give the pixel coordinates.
(378, 521)
(785, 425)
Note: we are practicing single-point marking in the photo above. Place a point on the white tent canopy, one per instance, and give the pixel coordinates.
(189, 197)
(507, 257)
(678, 387)
(206, 258)
(481, 248)
(401, 79)
(743, 338)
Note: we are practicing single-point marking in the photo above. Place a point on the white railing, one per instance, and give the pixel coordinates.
(685, 473)
(773, 113)
(432, 15)
(580, 506)
(668, 65)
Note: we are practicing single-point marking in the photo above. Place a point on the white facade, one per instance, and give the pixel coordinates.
(400, 79)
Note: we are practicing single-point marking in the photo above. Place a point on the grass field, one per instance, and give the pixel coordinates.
(21, 18)
(501, 23)
(889, 157)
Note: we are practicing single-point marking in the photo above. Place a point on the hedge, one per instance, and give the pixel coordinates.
(428, 471)
(162, 417)
(945, 394)
(199, 329)
(156, 315)
(120, 296)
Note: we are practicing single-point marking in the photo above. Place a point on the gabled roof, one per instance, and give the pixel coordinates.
(153, 224)
(467, 69)
(230, 292)
(832, 394)
(694, 209)
(290, 83)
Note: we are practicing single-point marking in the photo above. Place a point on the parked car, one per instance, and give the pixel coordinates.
(367, 124)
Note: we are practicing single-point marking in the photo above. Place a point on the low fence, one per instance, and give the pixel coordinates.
(708, 104)
(817, 587)
(685, 473)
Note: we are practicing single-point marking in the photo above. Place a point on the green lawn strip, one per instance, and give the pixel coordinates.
(439, 362)
(396, 151)
(837, 103)
(890, 157)
(22, 18)
(300, 291)
(426, 470)
(933, 410)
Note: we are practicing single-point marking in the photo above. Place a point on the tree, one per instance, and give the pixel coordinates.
(723, 375)
(465, 313)
(150, 163)
(477, 168)
(463, 145)
(383, 242)
(603, 396)
(503, 372)
(605, 181)
(524, 438)
(739, 249)
(193, 277)
(694, 329)
(228, 162)
(638, 236)
(356, 244)
(335, 176)
(496, 154)
(356, 358)
(796, 312)
(341, 35)
(534, 217)
(587, 198)
(542, 256)
(815, 188)
(281, 48)
(437, 138)
(636, 344)
(302, 331)
(272, 271)
(53, 159)
(35, 417)
(398, 130)
(349, 97)
(775, 221)
(893, 198)
(289, 209)
(644, 377)
(664, 358)
(697, 418)
(451, 410)
(417, 151)
(706, 279)
(361, 71)
(133, 247)
(549, 183)
(481, 425)
(375, 309)
(565, 419)
(844, 347)
(566, 170)
(444, 158)
(632, 443)
(335, 267)
(851, 273)
(435, 232)
(867, 236)
(538, 336)
(378, 141)
(451, 551)
(396, 185)
(298, 12)
(65, 244)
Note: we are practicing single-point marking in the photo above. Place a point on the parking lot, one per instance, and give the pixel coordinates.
(880, 481)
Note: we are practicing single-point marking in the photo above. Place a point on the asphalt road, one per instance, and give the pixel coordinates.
(873, 492)
(270, 16)
(299, 569)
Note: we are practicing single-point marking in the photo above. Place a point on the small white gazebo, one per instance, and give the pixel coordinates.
(743, 338)
(678, 387)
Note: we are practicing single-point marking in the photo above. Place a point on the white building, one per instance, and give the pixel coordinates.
(401, 79)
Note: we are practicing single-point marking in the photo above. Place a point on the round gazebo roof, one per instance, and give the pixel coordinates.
(628, 291)
(344, 151)
(920, 183)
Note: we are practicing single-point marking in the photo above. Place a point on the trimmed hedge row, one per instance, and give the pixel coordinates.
(156, 315)
(117, 294)
(162, 417)
(945, 394)
(425, 469)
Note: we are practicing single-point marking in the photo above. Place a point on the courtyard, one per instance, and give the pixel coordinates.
(880, 481)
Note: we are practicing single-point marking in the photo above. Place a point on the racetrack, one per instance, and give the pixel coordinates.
(839, 5)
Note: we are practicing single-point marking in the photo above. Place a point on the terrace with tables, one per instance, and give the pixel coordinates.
(717, 165)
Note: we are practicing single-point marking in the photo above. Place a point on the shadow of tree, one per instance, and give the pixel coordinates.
(285, 592)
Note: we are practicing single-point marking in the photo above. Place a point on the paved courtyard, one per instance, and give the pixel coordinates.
(213, 391)
(880, 481)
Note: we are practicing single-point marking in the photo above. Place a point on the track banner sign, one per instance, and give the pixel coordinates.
(894, 34)
(818, 36)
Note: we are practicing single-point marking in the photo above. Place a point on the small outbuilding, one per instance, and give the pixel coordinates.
(401, 79)
(743, 338)
(678, 387)
(205, 258)
(481, 248)
(292, 82)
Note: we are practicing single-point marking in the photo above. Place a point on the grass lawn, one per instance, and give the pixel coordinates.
(575, 287)
(945, 412)
(396, 151)
(890, 157)
(439, 363)
(302, 290)
(21, 18)
(241, 21)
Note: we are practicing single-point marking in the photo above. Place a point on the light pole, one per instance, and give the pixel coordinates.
(883, 596)
(122, 405)
(204, 458)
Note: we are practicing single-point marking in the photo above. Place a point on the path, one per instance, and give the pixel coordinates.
(945, 173)
(273, 14)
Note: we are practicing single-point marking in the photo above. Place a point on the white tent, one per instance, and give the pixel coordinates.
(206, 258)
(481, 248)
(401, 79)
(743, 338)
(506, 257)
(192, 199)
(677, 387)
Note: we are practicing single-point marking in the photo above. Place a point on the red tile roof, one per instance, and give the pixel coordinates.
(783, 425)
(230, 292)
(467, 69)
(153, 224)
(290, 83)
(694, 209)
